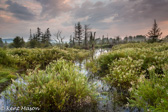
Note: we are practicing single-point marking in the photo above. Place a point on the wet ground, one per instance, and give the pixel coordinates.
(108, 95)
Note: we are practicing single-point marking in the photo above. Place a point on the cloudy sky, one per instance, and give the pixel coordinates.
(112, 17)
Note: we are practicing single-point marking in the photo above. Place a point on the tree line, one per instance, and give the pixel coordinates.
(82, 37)
(39, 39)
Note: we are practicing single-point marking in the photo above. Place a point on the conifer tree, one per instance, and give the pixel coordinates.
(155, 32)
(92, 40)
(1, 43)
(79, 32)
(18, 42)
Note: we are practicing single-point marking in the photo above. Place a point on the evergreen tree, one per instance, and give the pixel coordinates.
(40, 39)
(75, 32)
(114, 41)
(46, 37)
(30, 37)
(103, 42)
(79, 32)
(118, 39)
(38, 34)
(155, 32)
(1, 43)
(126, 39)
(18, 42)
(130, 38)
(34, 42)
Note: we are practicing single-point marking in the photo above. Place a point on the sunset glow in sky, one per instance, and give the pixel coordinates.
(112, 17)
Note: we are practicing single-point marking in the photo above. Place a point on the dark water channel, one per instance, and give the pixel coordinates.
(107, 102)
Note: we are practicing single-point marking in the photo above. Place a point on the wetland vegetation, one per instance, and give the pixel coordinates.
(87, 74)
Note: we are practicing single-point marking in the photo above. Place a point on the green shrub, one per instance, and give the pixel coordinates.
(5, 59)
(91, 66)
(152, 54)
(139, 69)
(58, 88)
(139, 45)
(124, 73)
(30, 58)
(151, 94)
(82, 55)
(106, 59)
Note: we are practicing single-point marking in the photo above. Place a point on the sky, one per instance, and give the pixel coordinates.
(106, 17)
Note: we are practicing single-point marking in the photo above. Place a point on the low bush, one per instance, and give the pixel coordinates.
(92, 66)
(141, 70)
(5, 59)
(30, 58)
(124, 72)
(58, 88)
(151, 94)
(150, 54)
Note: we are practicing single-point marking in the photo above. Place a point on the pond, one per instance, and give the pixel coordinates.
(108, 95)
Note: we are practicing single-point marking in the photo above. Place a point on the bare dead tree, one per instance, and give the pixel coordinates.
(59, 38)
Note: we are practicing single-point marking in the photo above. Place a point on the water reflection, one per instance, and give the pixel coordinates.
(4, 102)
